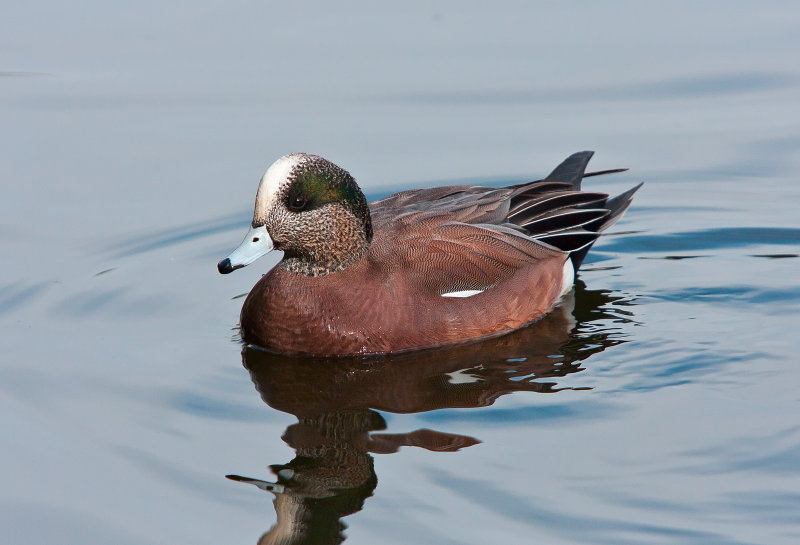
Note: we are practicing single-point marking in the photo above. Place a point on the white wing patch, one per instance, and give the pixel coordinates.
(462, 293)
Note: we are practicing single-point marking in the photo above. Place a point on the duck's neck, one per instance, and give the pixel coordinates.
(325, 259)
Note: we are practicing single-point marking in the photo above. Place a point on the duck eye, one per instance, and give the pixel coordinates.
(297, 203)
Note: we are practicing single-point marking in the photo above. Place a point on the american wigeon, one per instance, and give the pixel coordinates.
(417, 269)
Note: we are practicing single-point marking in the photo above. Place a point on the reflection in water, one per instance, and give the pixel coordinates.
(335, 399)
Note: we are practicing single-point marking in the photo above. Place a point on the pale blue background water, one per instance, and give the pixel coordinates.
(133, 139)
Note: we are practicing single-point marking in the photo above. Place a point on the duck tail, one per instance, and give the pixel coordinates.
(571, 170)
(555, 210)
(616, 207)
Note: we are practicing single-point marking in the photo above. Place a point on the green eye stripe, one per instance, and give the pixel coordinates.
(318, 190)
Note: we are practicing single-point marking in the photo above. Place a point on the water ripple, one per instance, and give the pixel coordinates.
(732, 294)
(668, 366)
(708, 239)
(583, 528)
(15, 295)
(175, 235)
(555, 414)
(204, 406)
(775, 454)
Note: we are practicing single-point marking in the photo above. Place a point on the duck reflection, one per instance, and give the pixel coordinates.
(335, 401)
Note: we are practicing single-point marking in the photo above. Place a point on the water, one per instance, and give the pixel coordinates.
(663, 411)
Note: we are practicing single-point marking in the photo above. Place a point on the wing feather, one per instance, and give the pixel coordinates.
(443, 255)
(468, 236)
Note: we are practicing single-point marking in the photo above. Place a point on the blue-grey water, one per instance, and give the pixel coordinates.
(659, 405)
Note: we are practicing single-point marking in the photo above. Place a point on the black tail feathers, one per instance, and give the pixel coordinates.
(555, 210)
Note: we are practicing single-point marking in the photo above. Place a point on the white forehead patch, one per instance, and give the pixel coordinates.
(272, 179)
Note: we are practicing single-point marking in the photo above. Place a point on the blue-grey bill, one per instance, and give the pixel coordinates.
(256, 243)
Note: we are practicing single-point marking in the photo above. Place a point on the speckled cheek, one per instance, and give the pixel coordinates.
(276, 223)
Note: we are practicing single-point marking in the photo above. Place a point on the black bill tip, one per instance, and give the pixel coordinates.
(225, 267)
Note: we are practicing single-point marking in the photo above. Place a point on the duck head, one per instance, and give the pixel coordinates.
(310, 209)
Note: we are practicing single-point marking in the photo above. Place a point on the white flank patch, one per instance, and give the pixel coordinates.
(567, 277)
(272, 179)
(462, 293)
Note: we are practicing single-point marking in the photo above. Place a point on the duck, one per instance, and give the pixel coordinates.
(418, 269)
